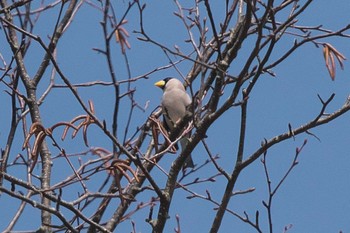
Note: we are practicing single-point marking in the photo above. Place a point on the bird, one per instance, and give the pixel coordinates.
(175, 102)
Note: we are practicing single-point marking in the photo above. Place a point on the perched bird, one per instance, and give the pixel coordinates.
(174, 103)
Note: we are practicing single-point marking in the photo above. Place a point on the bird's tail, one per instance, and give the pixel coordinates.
(189, 161)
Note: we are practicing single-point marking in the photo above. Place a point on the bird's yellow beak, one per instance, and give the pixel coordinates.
(160, 83)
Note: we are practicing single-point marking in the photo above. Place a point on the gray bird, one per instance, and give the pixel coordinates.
(175, 100)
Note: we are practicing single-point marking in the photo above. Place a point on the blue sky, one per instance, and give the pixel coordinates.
(314, 198)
